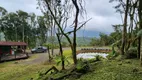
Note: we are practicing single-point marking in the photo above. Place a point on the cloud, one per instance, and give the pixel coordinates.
(101, 11)
(25, 5)
(103, 15)
(102, 23)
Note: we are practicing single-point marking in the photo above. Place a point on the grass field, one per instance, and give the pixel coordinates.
(128, 69)
(14, 70)
(115, 70)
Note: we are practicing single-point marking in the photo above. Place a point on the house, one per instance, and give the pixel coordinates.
(12, 50)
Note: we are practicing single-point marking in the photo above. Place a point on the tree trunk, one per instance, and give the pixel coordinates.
(139, 47)
(75, 30)
(140, 27)
(131, 34)
(141, 53)
(52, 41)
(124, 29)
(61, 52)
(23, 34)
(49, 56)
(16, 34)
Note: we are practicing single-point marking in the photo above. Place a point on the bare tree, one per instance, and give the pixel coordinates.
(68, 5)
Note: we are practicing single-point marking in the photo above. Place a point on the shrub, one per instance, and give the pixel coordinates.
(82, 66)
(131, 53)
(59, 62)
(112, 56)
(98, 58)
(92, 60)
(120, 57)
(51, 46)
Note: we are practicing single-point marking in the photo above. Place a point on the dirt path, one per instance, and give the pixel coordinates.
(38, 57)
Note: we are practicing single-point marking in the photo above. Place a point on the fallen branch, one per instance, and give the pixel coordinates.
(52, 68)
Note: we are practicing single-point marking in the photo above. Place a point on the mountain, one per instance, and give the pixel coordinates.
(87, 33)
(81, 41)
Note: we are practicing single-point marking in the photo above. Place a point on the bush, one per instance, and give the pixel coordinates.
(82, 66)
(131, 53)
(59, 61)
(51, 46)
(99, 58)
(120, 57)
(112, 56)
(92, 60)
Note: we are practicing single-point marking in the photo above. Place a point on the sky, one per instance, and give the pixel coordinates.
(101, 11)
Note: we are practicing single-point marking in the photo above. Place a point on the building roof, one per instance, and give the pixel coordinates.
(9, 43)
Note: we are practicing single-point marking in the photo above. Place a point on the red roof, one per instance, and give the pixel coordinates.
(5, 43)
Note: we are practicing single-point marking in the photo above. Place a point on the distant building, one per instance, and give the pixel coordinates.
(12, 50)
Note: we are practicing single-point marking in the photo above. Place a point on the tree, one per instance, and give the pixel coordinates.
(124, 28)
(23, 18)
(48, 7)
(19, 26)
(31, 37)
(9, 24)
(140, 35)
(2, 12)
(61, 17)
(140, 28)
(75, 3)
(95, 42)
(42, 29)
(128, 8)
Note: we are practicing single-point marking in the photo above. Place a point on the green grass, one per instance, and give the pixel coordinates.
(32, 57)
(67, 53)
(68, 58)
(12, 71)
(17, 70)
(108, 70)
(114, 70)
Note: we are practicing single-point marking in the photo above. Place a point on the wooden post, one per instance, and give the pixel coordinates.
(25, 51)
(0, 57)
(15, 54)
(0, 54)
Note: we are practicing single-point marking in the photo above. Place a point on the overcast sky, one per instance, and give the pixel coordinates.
(101, 11)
